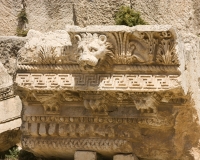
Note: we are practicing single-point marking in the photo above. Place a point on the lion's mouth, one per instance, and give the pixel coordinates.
(88, 60)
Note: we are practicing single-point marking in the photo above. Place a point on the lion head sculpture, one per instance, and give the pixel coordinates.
(92, 48)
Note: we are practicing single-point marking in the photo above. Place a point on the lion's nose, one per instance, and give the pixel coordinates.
(83, 59)
(88, 60)
(85, 53)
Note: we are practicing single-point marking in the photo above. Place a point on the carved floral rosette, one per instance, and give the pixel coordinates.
(97, 88)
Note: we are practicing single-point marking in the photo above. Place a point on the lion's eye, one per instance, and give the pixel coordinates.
(80, 50)
(93, 49)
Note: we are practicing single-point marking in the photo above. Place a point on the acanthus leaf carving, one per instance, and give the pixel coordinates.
(161, 47)
(130, 49)
(50, 101)
(166, 53)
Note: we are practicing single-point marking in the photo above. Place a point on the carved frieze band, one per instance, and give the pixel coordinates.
(128, 82)
(93, 127)
(119, 68)
(59, 126)
(73, 143)
(71, 67)
(153, 121)
(6, 93)
(100, 50)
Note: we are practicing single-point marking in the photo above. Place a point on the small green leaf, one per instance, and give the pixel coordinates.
(127, 16)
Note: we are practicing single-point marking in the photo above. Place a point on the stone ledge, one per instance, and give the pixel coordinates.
(87, 155)
(125, 157)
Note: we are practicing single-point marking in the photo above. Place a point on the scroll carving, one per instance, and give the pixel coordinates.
(161, 47)
(166, 53)
(147, 104)
(129, 49)
(51, 102)
(95, 102)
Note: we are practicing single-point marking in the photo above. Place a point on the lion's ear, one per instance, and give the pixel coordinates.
(78, 38)
(102, 39)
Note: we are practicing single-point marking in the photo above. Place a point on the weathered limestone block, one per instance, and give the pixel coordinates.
(125, 157)
(55, 14)
(9, 47)
(80, 155)
(9, 138)
(107, 89)
(10, 110)
(5, 78)
(102, 11)
(10, 114)
(8, 16)
(51, 15)
(10, 104)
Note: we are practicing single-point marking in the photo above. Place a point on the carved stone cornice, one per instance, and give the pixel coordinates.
(101, 82)
(75, 68)
(101, 102)
(145, 121)
(103, 89)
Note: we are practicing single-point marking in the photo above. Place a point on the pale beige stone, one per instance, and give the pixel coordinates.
(10, 125)
(125, 157)
(9, 138)
(5, 78)
(10, 108)
(90, 95)
(80, 155)
(51, 15)
(10, 104)
(9, 47)
(8, 16)
(45, 47)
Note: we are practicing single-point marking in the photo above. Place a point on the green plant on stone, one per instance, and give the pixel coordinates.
(129, 17)
(22, 16)
(22, 20)
(25, 155)
(16, 154)
(13, 154)
(22, 33)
